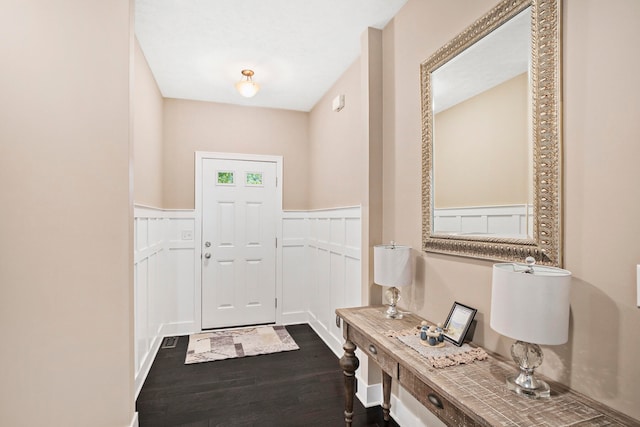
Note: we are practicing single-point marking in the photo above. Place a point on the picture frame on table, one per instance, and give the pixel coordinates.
(458, 323)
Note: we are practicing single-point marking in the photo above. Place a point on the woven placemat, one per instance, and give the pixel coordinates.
(441, 357)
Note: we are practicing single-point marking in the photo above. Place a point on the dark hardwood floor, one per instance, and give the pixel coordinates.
(295, 388)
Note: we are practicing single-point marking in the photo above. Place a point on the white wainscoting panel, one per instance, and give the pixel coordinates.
(334, 273)
(320, 268)
(294, 301)
(181, 270)
(148, 254)
(507, 221)
(164, 301)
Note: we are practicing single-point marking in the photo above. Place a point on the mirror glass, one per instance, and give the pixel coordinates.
(491, 137)
(486, 87)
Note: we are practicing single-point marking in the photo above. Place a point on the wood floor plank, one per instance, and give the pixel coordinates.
(296, 388)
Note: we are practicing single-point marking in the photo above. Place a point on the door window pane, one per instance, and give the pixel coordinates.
(254, 178)
(225, 177)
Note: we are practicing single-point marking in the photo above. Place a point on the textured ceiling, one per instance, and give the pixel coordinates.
(297, 48)
(498, 57)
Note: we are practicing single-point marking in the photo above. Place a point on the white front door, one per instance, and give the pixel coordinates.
(239, 216)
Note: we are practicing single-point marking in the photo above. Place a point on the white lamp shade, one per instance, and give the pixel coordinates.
(392, 265)
(531, 307)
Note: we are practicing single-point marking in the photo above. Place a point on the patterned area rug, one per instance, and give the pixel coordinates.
(232, 343)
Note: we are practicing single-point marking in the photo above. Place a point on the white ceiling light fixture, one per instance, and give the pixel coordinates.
(246, 86)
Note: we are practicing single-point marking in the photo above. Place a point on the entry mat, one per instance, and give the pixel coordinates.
(234, 343)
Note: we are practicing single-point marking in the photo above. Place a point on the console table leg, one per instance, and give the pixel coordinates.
(386, 395)
(349, 364)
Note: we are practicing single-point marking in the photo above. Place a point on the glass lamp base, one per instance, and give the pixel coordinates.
(393, 313)
(542, 390)
(393, 296)
(528, 356)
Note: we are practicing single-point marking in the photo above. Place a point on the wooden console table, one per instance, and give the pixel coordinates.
(463, 395)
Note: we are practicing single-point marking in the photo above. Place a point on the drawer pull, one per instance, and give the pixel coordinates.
(337, 321)
(435, 400)
(372, 349)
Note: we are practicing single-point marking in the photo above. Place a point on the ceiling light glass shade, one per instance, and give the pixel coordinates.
(246, 86)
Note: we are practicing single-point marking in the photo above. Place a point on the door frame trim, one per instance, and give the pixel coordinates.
(199, 157)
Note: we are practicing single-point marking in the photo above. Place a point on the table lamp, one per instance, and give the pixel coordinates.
(392, 267)
(530, 304)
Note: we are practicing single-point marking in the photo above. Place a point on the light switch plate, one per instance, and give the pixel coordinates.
(638, 285)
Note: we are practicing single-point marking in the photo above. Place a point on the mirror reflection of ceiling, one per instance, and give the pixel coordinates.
(500, 56)
(298, 49)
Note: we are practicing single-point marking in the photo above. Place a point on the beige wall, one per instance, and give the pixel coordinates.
(371, 70)
(66, 250)
(191, 126)
(345, 167)
(147, 134)
(486, 161)
(601, 134)
(336, 146)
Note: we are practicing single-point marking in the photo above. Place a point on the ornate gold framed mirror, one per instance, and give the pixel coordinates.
(491, 154)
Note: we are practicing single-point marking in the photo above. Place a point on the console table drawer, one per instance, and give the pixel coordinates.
(382, 359)
(433, 401)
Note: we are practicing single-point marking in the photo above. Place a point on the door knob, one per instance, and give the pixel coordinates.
(207, 255)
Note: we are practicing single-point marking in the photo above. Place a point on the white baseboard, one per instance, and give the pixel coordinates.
(179, 328)
(331, 341)
(295, 317)
(145, 367)
(369, 395)
(134, 420)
